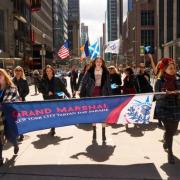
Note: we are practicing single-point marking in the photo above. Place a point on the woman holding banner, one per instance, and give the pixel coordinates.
(22, 85)
(52, 87)
(8, 93)
(168, 105)
(96, 82)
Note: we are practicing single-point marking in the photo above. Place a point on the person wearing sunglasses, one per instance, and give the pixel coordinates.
(8, 93)
(22, 85)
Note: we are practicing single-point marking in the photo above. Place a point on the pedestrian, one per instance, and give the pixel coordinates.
(73, 80)
(168, 105)
(37, 79)
(130, 84)
(21, 83)
(143, 80)
(81, 75)
(96, 82)
(51, 86)
(8, 93)
(115, 79)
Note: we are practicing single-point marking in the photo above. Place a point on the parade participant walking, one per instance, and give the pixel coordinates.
(51, 86)
(96, 82)
(81, 75)
(130, 84)
(22, 85)
(73, 80)
(37, 79)
(168, 105)
(143, 80)
(115, 79)
(8, 93)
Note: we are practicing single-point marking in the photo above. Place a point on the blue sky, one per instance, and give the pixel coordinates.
(93, 14)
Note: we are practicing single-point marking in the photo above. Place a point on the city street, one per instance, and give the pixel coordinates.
(70, 155)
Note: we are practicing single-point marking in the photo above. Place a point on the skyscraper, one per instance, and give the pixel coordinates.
(84, 33)
(73, 26)
(60, 20)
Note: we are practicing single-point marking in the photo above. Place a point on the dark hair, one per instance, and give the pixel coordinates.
(85, 66)
(44, 71)
(129, 70)
(93, 65)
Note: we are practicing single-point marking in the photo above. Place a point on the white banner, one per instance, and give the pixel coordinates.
(113, 47)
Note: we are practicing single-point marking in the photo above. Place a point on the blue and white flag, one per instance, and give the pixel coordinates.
(113, 47)
(94, 50)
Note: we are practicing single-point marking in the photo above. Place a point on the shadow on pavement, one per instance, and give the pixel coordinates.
(46, 140)
(173, 171)
(86, 127)
(138, 130)
(98, 153)
(83, 171)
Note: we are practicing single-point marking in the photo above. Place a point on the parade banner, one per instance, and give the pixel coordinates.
(24, 117)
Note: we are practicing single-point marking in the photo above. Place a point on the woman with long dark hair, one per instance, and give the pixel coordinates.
(96, 82)
(51, 86)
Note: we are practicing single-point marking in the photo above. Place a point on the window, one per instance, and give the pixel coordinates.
(170, 20)
(161, 22)
(147, 38)
(147, 18)
(2, 40)
(178, 19)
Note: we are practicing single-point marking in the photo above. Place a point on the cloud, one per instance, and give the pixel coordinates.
(92, 13)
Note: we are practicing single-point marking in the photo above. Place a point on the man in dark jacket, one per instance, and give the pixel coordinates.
(143, 80)
(73, 80)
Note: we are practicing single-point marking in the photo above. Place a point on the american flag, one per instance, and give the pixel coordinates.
(63, 52)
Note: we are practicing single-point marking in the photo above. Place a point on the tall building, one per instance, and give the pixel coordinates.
(84, 33)
(60, 27)
(15, 33)
(130, 5)
(74, 26)
(42, 31)
(140, 29)
(168, 13)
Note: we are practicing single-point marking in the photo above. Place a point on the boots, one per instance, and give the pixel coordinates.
(94, 133)
(16, 149)
(171, 159)
(52, 132)
(103, 134)
(1, 162)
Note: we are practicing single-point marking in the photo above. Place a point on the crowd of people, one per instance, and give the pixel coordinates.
(96, 79)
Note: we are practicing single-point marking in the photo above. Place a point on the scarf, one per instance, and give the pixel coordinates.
(170, 82)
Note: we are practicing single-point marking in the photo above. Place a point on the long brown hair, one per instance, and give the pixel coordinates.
(7, 78)
(93, 65)
(44, 71)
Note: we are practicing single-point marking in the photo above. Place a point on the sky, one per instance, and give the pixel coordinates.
(92, 13)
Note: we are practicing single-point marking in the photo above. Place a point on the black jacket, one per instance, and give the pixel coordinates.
(88, 84)
(116, 79)
(81, 75)
(22, 86)
(167, 106)
(143, 85)
(58, 86)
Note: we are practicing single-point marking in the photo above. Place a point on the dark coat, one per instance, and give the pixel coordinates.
(130, 85)
(167, 106)
(81, 75)
(22, 86)
(116, 79)
(88, 84)
(58, 86)
(143, 85)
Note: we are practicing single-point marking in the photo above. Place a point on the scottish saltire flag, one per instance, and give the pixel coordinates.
(84, 51)
(113, 47)
(94, 50)
(63, 52)
(24, 117)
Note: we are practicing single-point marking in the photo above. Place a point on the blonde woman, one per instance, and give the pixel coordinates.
(21, 83)
(8, 93)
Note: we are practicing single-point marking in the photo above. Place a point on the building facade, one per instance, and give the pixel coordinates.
(84, 34)
(42, 32)
(140, 29)
(60, 26)
(74, 26)
(168, 13)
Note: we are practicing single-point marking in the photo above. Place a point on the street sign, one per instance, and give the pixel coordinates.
(43, 52)
(142, 51)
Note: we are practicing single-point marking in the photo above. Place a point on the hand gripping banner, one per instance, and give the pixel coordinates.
(24, 117)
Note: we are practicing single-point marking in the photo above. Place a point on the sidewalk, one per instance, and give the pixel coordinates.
(135, 154)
